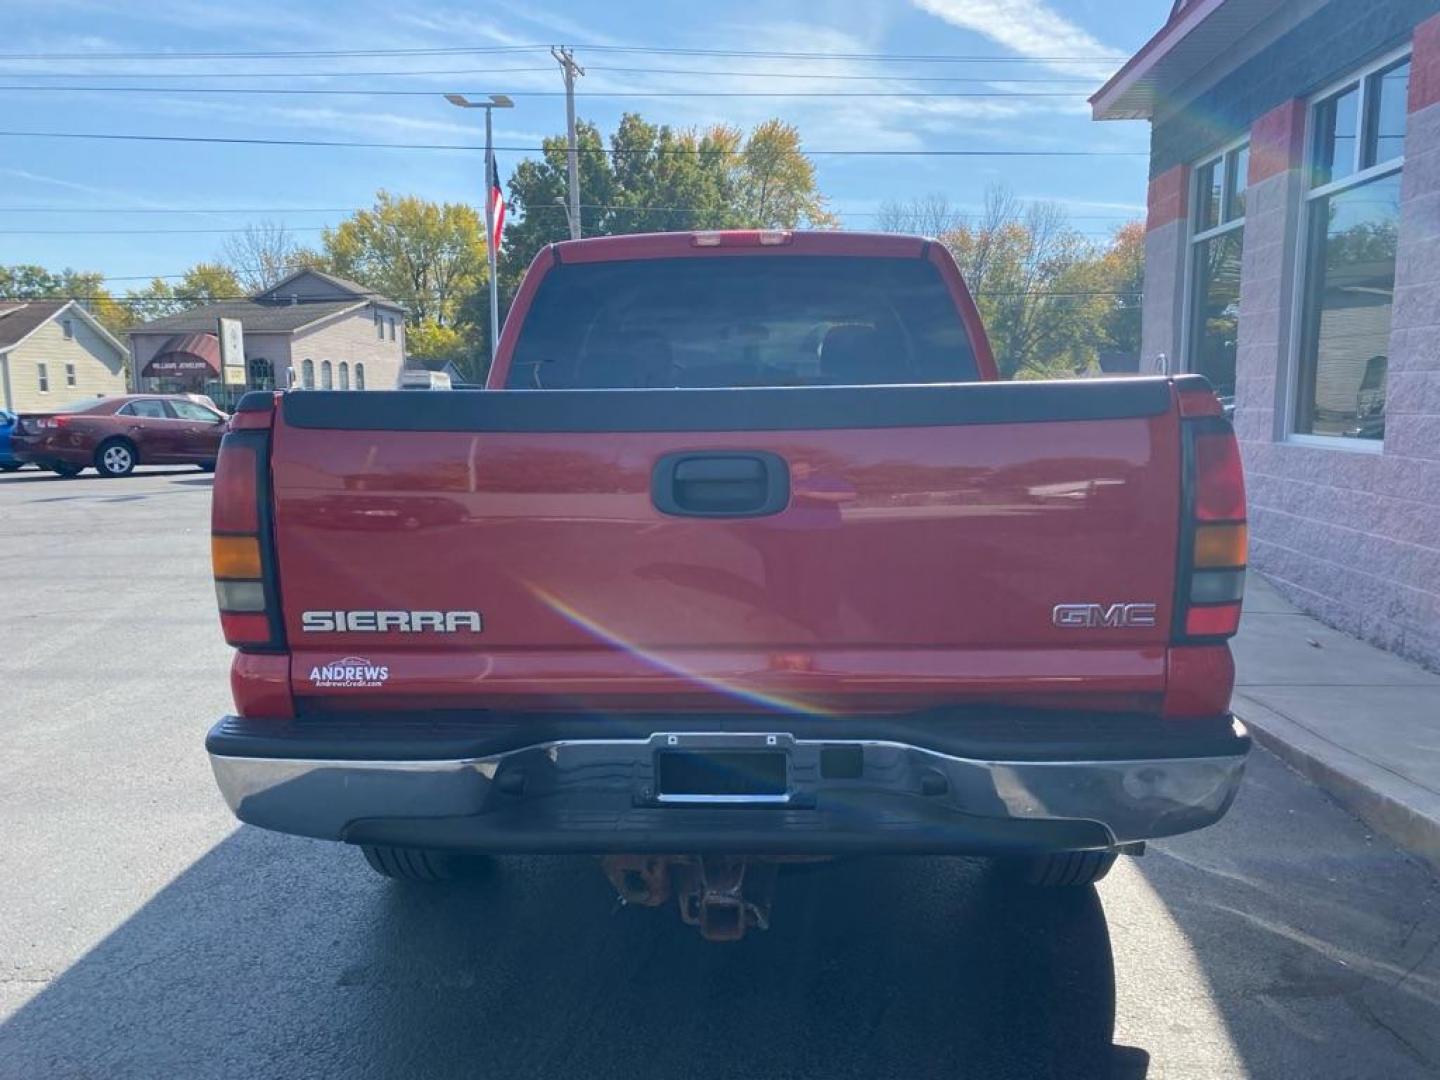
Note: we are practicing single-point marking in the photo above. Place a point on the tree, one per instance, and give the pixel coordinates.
(1122, 270)
(431, 342)
(775, 182)
(1046, 294)
(928, 215)
(428, 256)
(262, 255)
(656, 178)
(203, 283)
(29, 282)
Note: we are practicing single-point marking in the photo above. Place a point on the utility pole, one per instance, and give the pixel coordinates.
(565, 57)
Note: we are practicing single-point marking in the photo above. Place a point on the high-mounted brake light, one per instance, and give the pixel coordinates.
(240, 546)
(742, 238)
(1214, 533)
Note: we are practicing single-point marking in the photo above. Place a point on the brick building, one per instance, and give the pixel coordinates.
(1293, 256)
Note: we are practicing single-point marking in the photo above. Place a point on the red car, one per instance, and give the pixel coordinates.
(749, 557)
(116, 434)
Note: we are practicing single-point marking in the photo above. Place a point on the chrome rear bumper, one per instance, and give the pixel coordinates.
(600, 795)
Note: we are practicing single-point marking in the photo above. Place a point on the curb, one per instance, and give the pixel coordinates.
(1389, 803)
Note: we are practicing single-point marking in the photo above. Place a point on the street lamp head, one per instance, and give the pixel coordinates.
(497, 101)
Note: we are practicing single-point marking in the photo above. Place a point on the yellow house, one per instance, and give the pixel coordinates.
(54, 353)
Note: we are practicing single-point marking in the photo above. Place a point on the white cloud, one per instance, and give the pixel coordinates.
(1028, 27)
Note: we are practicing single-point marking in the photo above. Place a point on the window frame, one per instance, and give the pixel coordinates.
(70, 374)
(343, 375)
(67, 329)
(327, 375)
(42, 377)
(1195, 237)
(1360, 78)
(307, 374)
(359, 375)
(128, 409)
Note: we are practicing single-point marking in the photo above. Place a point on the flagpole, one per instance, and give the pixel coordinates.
(492, 181)
(490, 178)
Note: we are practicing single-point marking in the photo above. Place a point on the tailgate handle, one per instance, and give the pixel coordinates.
(751, 483)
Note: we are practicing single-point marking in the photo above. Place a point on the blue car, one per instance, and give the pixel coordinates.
(7, 425)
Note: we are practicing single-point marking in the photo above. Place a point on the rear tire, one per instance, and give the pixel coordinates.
(418, 864)
(115, 457)
(66, 469)
(1061, 868)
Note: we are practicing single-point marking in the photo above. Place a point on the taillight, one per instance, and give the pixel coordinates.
(1214, 534)
(241, 549)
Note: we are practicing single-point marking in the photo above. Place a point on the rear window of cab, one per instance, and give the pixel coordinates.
(739, 321)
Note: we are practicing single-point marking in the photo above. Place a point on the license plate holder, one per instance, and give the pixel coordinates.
(738, 769)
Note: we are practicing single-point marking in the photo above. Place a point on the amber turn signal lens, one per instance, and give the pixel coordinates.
(1220, 546)
(235, 556)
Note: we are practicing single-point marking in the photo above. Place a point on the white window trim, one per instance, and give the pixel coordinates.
(1290, 403)
(1192, 238)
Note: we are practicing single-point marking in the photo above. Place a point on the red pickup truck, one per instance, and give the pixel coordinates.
(742, 556)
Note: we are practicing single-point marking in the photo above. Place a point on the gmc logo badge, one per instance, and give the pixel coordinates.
(1101, 616)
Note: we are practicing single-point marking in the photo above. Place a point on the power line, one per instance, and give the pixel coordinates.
(835, 76)
(911, 58)
(358, 209)
(329, 92)
(429, 72)
(302, 301)
(143, 232)
(464, 50)
(180, 55)
(337, 143)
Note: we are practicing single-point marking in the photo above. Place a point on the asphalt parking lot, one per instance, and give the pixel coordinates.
(144, 934)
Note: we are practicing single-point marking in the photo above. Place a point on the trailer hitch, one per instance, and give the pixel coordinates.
(721, 895)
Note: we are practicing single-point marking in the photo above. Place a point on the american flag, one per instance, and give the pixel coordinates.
(496, 205)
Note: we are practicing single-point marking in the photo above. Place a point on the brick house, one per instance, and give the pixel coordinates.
(1293, 256)
(53, 353)
(311, 330)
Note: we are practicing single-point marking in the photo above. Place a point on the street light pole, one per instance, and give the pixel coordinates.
(497, 101)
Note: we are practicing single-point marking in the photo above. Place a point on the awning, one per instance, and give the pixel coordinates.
(186, 354)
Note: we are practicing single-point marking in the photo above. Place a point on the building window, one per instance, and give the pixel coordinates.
(1217, 235)
(67, 328)
(359, 376)
(1352, 225)
(69, 374)
(392, 329)
(327, 380)
(344, 375)
(307, 374)
(262, 374)
(44, 374)
(379, 325)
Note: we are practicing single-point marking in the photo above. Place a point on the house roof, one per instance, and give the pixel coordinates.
(355, 288)
(257, 316)
(430, 363)
(21, 318)
(1197, 35)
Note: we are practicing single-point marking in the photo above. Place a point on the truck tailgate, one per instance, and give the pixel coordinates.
(923, 540)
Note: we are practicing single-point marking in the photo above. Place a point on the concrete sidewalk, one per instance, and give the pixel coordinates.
(1359, 722)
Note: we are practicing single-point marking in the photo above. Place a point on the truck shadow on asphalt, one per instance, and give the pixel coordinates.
(278, 957)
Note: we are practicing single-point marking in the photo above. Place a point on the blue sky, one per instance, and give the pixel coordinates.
(286, 183)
